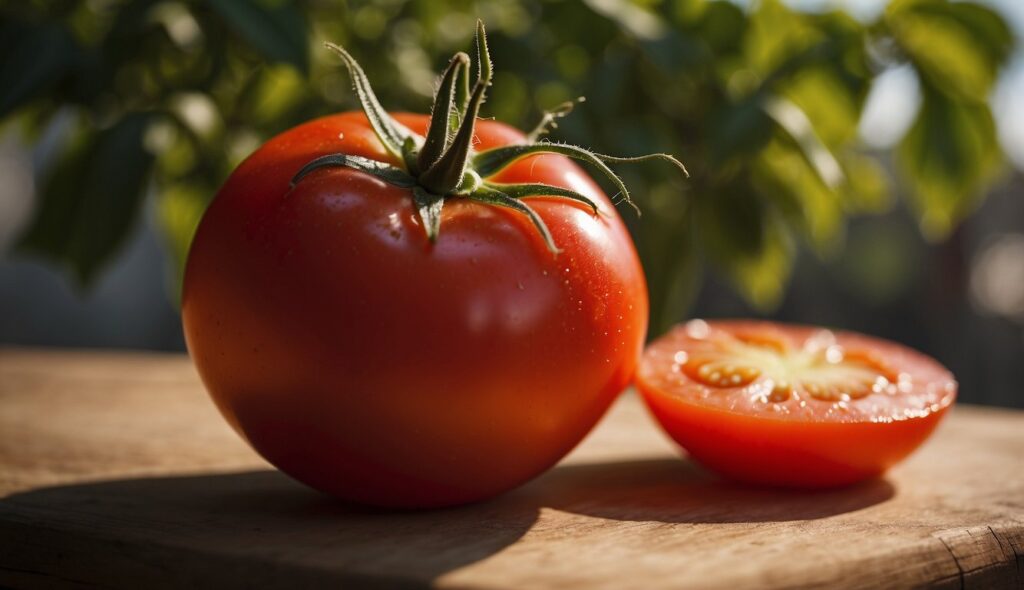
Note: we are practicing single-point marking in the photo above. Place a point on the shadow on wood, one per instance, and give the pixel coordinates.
(677, 491)
(261, 529)
(250, 529)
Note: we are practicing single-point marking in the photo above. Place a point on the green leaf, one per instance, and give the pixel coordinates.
(776, 34)
(829, 104)
(958, 49)
(35, 59)
(867, 188)
(634, 20)
(949, 157)
(783, 176)
(798, 127)
(992, 33)
(276, 29)
(739, 130)
(723, 27)
(747, 241)
(671, 255)
(179, 208)
(679, 289)
(90, 198)
(278, 90)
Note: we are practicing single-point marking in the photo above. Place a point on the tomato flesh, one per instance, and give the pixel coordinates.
(792, 405)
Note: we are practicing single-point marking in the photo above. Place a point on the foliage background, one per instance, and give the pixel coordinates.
(139, 109)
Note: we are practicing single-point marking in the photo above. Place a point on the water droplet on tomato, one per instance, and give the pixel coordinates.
(697, 329)
(834, 354)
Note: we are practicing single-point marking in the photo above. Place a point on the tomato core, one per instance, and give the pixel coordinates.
(820, 369)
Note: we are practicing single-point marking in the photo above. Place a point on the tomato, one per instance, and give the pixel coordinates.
(364, 360)
(789, 405)
(413, 311)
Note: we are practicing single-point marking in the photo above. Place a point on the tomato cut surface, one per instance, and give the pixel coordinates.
(792, 405)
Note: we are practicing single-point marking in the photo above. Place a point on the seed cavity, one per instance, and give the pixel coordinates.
(819, 369)
(713, 374)
(780, 392)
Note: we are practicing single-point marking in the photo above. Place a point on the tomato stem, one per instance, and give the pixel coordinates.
(445, 175)
(441, 117)
(444, 165)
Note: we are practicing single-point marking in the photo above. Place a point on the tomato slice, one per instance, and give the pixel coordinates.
(789, 405)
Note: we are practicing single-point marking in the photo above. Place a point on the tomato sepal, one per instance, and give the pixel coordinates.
(443, 164)
(493, 161)
(428, 206)
(522, 191)
(385, 172)
(444, 114)
(491, 196)
(549, 119)
(390, 132)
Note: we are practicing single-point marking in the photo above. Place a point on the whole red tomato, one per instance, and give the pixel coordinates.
(366, 359)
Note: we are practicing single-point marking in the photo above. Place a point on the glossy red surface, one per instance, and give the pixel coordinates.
(366, 362)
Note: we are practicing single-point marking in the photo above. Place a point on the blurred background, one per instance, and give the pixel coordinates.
(854, 164)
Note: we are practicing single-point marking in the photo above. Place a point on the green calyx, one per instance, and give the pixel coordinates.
(444, 164)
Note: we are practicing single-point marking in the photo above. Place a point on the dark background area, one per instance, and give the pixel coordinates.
(959, 298)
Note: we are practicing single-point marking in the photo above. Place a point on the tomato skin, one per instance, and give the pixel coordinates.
(779, 453)
(806, 451)
(367, 363)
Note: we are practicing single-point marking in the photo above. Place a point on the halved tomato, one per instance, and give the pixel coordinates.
(792, 405)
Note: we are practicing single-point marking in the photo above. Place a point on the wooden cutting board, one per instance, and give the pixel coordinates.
(117, 471)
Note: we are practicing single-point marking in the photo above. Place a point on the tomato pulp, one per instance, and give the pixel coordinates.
(792, 405)
(367, 362)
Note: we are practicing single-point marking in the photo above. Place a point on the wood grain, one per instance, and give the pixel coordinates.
(117, 471)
